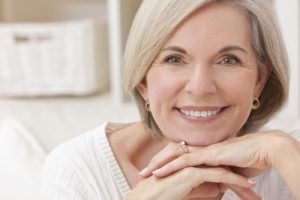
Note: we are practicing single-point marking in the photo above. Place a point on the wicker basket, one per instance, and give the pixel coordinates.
(38, 59)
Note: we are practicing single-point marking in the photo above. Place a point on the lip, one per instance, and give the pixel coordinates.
(202, 108)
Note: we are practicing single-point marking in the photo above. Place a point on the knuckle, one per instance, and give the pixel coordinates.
(154, 162)
(221, 172)
(211, 159)
(186, 172)
(174, 147)
(184, 160)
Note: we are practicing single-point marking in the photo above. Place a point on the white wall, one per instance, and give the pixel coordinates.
(26, 10)
(1, 10)
(49, 10)
(289, 19)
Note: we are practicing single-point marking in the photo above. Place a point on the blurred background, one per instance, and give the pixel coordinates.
(60, 66)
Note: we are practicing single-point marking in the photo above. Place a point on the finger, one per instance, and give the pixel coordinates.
(198, 176)
(169, 153)
(214, 155)
(205, 190)
(244, 193)
(196, 158)
(230, 152)
(185, 181)
(247, 172)
(223, 188)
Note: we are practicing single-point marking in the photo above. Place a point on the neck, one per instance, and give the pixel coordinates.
(144, 147)
(134, 147)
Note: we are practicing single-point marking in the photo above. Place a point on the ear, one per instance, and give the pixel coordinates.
(142, 88)
(264, 72)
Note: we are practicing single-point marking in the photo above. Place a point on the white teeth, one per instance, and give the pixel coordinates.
(197, 114)
(202, 114)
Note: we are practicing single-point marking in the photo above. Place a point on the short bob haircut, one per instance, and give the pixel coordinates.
(155, 22)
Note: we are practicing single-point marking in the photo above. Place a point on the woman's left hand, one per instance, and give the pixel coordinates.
(248, 155)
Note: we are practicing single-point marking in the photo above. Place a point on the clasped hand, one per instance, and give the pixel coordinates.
(207, 171)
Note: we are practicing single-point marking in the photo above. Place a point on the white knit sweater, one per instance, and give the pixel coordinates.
(85, 168)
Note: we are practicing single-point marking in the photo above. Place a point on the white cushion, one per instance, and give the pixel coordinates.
(21, 158)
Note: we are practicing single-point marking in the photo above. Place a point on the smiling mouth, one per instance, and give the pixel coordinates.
(200, 114)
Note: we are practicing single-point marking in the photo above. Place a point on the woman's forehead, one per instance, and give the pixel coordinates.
(214, 25)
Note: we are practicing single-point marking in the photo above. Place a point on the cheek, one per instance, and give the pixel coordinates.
(239, 85)
(240, 92)
(162, 86)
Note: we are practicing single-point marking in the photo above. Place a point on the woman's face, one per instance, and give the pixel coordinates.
(201, 85)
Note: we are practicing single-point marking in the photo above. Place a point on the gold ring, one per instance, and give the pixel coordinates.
(183, 147)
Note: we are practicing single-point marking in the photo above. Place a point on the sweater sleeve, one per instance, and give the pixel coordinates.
(296, 134)
(62, 180)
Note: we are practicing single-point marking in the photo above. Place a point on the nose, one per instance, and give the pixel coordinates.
(201, 82)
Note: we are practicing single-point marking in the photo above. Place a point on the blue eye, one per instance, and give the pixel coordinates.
(173, 60)
(230, 60)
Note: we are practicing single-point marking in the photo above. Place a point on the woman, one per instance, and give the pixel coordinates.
(206, 75)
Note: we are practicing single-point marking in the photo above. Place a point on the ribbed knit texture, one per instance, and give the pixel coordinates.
(85, 168)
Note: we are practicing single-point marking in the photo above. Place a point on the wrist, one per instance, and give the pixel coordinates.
(281, 149)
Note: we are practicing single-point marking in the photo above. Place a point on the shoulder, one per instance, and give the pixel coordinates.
(67, 169)
(78, 149)
(84, 168)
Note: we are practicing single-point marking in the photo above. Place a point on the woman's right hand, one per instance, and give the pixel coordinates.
(192, 183)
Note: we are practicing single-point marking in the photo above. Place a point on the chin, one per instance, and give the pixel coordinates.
(204, 140)
(201, 143)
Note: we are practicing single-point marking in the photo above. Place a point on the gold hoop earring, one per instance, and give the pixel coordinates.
(256, 103)
(147, 105)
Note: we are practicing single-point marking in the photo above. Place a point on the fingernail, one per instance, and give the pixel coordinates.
(252, 182)
(157, 172)
(144, 172)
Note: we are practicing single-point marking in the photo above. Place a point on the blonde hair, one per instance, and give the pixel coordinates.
(155, 22)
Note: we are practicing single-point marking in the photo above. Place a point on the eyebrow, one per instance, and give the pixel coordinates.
(225, 49)
(232, 48)
(175, 48)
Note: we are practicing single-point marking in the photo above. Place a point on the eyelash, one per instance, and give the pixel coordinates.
(177, 57)
(167, 60)
(236, 60)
